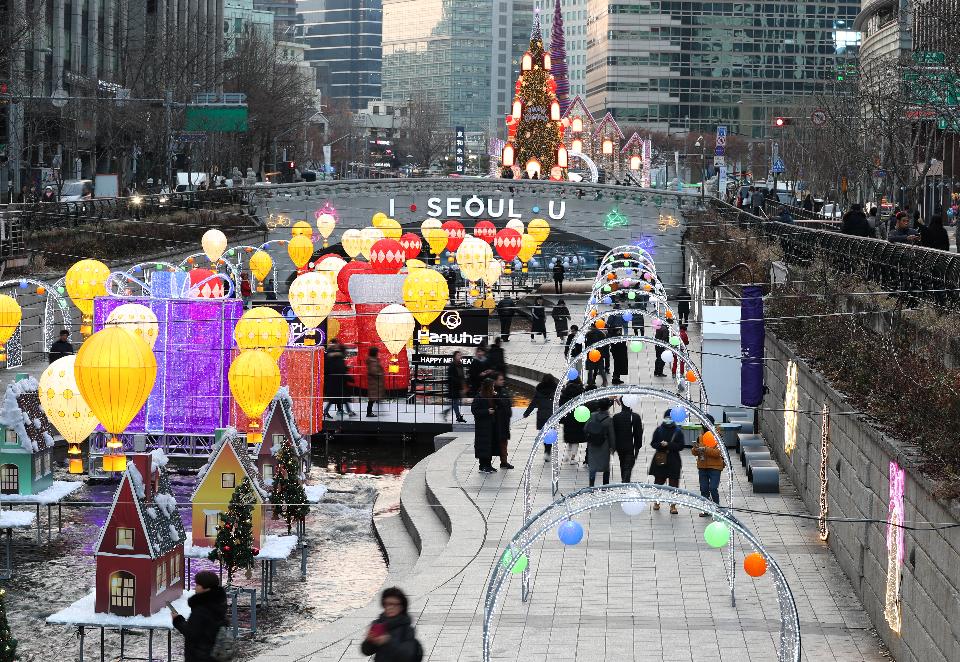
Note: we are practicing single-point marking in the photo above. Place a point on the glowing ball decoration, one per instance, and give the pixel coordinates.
(493, 272)
(254, 380)
(709, 440)
(754, 564)
(425, 293)
(690, 376)
(507, 244)
(260, 266)
(387, 256)
(600, 324)
(136, 319)
(411, 245)
(485, 231)
(326, 222)
(572, 374)
(300, 250)
(666, 356)
(206, 284)
(352, 242)
(473, 256)
(64, 406)
(581, 413)
(368, 237)
(301, 229)
(633, 508)
(550, 438)
(10, 316)
(455, 235)
(570, 532)
(516, 566)
(312, 297)
(391, 229)
(115, 372)
(432, 230)
(86, 280)
(262, 328)
(213, 242)
(539, 229)
(594, 355)
(678, 414)
(717, 534)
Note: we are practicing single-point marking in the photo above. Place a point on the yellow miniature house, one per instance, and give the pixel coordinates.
(228, 465)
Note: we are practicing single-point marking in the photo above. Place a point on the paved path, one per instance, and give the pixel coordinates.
(641, 588)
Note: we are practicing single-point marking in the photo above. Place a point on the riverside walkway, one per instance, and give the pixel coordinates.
(636, 588)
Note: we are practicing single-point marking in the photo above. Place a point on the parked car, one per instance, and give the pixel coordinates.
(75, 190)
(831, 210)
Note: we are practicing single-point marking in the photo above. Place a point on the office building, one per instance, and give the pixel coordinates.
(284, 15)
(240, 19)
(670, 64)
(343, 39)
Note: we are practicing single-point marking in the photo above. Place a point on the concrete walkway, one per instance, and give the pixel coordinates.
(641, 588)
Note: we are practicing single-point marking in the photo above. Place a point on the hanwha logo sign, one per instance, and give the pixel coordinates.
(463, 328)
(450, 319)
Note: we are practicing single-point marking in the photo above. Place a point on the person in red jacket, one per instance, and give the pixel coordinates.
(684, 340)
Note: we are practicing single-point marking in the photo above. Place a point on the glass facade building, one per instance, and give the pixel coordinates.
(343, 40)
(671, 64)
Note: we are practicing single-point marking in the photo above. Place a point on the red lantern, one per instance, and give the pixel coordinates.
(387, 256)
(411, 245)
(212, 289)
(348, 270)
(552, 85)
(455, 234)
(485, 230)
(507, 243)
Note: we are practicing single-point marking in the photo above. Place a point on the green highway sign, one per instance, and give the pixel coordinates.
(929, 57)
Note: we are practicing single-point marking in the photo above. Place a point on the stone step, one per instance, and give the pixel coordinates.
(396, 544)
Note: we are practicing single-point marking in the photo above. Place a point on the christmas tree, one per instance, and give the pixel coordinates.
(288, 496)
(558, 58)
(234, 544)
(534, 124)
(8, 645)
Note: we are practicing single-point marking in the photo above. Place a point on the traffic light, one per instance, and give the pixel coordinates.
(780, 122)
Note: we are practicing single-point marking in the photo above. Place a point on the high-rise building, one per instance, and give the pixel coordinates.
(460, 54)
(343, 39)
(240, 19)
(667, 64)
(284, 15)
(574, 14)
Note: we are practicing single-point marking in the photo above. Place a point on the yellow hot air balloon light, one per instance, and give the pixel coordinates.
(539, 229)
(10, 316)
(254, 380)
(214, 243)
(260, 266)
(368, 237)
(528, 246)
(352, 242)
(262, 328)
(425, 294)
(86, 280)
(65, 407)
(312, 296)
(326, 221)
(300, 250)
(138, 320)
(302, 229)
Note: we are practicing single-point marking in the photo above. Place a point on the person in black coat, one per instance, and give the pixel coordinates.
(336, 377)
(855, 222)
(496, 359)
(570, 352)
(478, 371)
(505, 311)
(542, 401)
(663, 335)
(618, 352)
(628, 429)
(561, 317)
(667, 439)
(456, 386)
(934, 235)
(61, 346)
(594, 368)
(392, 638)
(538, 319)
(683, 306)
(558, 273)
(484, 409)
(502, 419)
(208, 613)
(572, 429)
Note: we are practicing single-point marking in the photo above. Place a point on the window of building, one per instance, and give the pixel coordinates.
(11, 436)
(228, 480)
(124, 538)
(37, 465)
(268, 472)
(176, 561)
(161, 577)
(210, 524)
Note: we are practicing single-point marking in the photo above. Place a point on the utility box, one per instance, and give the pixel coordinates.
(720, 358)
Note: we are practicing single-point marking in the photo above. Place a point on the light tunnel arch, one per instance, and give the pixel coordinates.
(54, 302)
(590, 498)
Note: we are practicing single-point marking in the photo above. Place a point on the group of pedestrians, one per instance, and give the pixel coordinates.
(338, 381)
(507, 310)
(900, 229)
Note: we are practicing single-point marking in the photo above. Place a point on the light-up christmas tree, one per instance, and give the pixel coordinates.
(234, 544)
(8, 645)
(535, 132)
(558, 58)
(288, 497)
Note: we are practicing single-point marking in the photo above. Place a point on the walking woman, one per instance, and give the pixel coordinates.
(484, 409)
(456, 386)
(601, 441)
(572, 428)
(502, 419)
(392, 638)
(375, 386)
(561, 317)
(543, 402)
(538, 319)
(666, 464)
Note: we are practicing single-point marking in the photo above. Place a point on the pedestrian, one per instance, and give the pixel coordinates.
(594, 368)
(456, 386)
(375, 386)
(757, 199)
(542, 402)
(902, 234)
(478, 371)
(505, 311)
(538, 319)
(618, 353)
(683, 306)
(503, 414)
(269, 290)
(570, 352)
(496, 359)
(666, 464)
(484, 409)
(636, 322)
(709, 465)
(572, 428)
(808, 202)
(601, 441)
(61, 346)
(392, 637)
(49, 195)
(628, 430)
(336, 379)
(934, 235)
(873, 220)
(246, 290)
(208, 613)
(854, 222)
(663, 335)
(558, 273)
(561, 317)
(684, 341)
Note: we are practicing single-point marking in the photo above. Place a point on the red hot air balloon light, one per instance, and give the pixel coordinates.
(412, 244)
(485, 230)
(387, 256)
(507, 244)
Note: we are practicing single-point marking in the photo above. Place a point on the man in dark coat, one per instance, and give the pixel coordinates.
(667, 443)
(595, 368)
(208, 613)
(502, 419)
(934, 235)
(479, 369)
(618, 352)
(538, 319)
(601, 440)
(505, 311)
(61, 347)
(456, 386)
(569, 352)
(683, 306)
(542, 401)
(628, 429)
(335, 379)
(855, 222)
(663, 335)
(558, 273)
(572, 428)
(484, 409)
(496, 359)
(561, 316)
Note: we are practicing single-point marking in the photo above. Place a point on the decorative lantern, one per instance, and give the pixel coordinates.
(485, 230)
(138, 320)
(300, 250)
(254, 379)
(86, 280)
(301, 229)
(326, 222)
(528, 247)
(517, 109)
(64, 406)
(508, 154)
(562, 157)
(387, 256)
(214, 242)
(432, 230)
(10, 316)
(395, 325)
(576, 146)
(533, 168)
(368, 237)
(577, 125)
(526, 64)
(455, 236)
(546, 62)
(425, 293)
(352, 242)
(607, 146)
(260, 265)
(555, 111)
(262, 328)
(312, 297)
(635, 162)
(411, 245)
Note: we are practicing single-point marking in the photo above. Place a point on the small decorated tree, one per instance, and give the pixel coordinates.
(8, 645)
(288, 497)
(234, 544)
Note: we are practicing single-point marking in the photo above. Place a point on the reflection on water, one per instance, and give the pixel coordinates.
(378, 456)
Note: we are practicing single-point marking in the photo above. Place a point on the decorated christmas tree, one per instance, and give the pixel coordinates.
(534, 128)
(558, 58)
(234, 544)
(288, 496)
(8, 645)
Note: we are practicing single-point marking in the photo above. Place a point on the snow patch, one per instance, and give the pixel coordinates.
(174, 534)
(53, 494)
(315, 493)
(37, 423)
(136, 479)
(167, 503)
(152, 512)
(158, 459)
(82, 612)
(15, 518)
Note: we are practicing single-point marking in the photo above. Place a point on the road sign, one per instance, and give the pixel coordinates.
(190, 137)
(718, 151)
(929, 57)
(778, 166)
(722, 132)
(719, 160)
(880, 173)
(818, 117)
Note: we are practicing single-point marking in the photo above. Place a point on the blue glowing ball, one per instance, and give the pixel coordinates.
(536, 210)
(570, 532)
(572, 374)
(607, 301)
(24, 284)
(627, 317)
(137, 269)
(550, 438)
(678, 414)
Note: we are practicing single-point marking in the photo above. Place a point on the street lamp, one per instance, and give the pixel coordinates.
(703, 168)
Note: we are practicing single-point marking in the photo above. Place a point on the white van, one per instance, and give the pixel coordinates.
(190, 181)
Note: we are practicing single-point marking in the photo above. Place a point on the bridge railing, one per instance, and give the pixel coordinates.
(903, 270)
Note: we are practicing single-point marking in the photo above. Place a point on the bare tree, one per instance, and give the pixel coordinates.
(422, 136)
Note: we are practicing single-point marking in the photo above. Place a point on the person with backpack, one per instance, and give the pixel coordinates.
(392, 637)
(667, 464)
(542, 401)
(628, 430)
(572, 428)
(601, 441)
(206, 637)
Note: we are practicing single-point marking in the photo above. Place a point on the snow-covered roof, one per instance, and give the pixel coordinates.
(284, 402)
(21, 411)
(232, 438)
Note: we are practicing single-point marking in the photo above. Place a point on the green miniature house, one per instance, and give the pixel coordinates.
(26, 440)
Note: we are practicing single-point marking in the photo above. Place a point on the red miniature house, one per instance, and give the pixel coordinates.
(279, 425)
(140, 550)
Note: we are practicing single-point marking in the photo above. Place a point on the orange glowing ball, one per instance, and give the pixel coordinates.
(41, 291)
(755, 565)
(646, 287)
(611, 276)
(594, 355)
(593, 313)
(190, 260)
(669, 315)
(600, 324)
(691, 376)
(709, 440)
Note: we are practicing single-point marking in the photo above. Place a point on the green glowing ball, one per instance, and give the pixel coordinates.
(636, 346)
(581, 414)
(717, 534)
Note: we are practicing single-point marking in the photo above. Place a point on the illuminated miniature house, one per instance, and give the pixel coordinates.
(26, 440)
(279, 425)
(139, 553)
